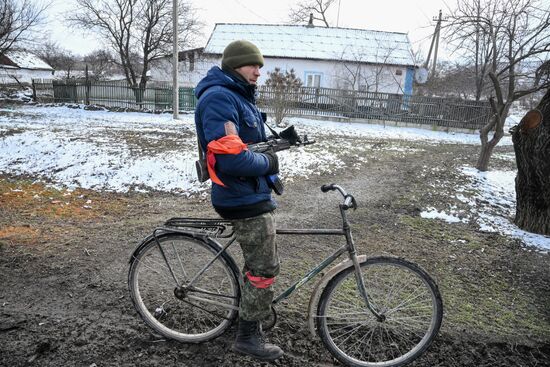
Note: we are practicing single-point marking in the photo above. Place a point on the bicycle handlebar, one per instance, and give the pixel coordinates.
(349, 200)
(326, 188)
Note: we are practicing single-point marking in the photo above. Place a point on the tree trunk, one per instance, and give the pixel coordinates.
(531, 139)
(139, 93)
(485, 155)
(487, 146)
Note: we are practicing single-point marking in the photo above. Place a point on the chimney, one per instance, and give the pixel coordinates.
(310, 24)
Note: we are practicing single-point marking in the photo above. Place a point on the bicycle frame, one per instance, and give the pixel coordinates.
(316, 270)
(186, 285)
(349, 247)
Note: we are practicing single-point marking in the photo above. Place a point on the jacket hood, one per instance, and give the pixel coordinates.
(217, 77)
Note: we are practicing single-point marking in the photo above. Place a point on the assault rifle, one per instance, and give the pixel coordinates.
(274, 145)
(277, 145)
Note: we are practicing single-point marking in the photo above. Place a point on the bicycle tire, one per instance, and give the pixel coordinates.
(404, 293)
(204, 312)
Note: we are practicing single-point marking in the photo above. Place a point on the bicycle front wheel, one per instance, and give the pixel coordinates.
(185, 313)
(405, 296)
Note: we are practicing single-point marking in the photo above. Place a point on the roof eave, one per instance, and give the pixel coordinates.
(320, 59)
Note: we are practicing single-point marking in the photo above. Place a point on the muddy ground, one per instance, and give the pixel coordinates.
(64, 260)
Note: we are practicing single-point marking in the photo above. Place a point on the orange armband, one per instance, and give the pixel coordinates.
(229, 144)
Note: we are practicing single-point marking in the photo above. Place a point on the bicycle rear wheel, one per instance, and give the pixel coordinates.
(187, 314)
(402, 292)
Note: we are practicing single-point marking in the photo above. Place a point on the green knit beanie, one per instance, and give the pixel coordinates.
(241, 53)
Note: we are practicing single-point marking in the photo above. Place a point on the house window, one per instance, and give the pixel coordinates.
(398, 72)
(313, 80)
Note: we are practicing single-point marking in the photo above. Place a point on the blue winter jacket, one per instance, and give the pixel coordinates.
(224, 97)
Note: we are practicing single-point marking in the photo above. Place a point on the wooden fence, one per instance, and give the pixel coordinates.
(156, 96)
(432, 111)
(13, 86)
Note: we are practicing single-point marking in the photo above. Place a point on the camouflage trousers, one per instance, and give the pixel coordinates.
(256, 236)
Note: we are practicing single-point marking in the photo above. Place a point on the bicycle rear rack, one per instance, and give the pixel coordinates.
(213, 227)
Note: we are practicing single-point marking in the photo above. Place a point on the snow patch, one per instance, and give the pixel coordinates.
(117, 151)
(432, 213)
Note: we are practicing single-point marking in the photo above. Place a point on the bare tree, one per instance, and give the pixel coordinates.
(62, 60)
(66, 64)
(141, 28)
(317, 9)
(356, 74)
(101, 64)
(513, 35)
(18, 20)
(473, 38)
(451, 79)
(285, 89)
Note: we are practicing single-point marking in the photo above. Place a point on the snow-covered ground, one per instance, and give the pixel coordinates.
(136, 151)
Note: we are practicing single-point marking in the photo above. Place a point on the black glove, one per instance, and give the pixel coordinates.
(273, 162)
(290, 134)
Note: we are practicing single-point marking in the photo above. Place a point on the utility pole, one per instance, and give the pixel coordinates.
(435, 41)
(338, 16)
(478, 79)
(438, 29)
(175, 55)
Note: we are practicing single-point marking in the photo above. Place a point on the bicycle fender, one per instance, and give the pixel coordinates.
(320, 286)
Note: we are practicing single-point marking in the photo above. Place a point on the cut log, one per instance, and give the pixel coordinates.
(531, 138)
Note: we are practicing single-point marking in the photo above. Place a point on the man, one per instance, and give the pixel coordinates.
(226, 118)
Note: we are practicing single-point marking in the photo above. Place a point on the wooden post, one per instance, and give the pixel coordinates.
(87, 88)
(33, 91)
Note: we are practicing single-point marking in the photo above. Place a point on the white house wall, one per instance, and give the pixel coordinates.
(336, 74)
(333, 74)
(9, 75)
(161, 70)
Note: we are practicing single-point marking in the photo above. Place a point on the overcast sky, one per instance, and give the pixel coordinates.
(408, 16)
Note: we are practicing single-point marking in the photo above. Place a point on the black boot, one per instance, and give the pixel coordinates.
(249, 341)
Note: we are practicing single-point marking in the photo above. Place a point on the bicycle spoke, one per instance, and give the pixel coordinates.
(155, 268)
(179, 260)
(344, 315)
(357, 344)
(395, 289)
(405, 302)
(203, 291)
(205, 310)
(216, 303)
(393, 343)
(195, 314)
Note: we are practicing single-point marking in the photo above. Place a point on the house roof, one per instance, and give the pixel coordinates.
(321, 43)
(183, 54)
(23, 60)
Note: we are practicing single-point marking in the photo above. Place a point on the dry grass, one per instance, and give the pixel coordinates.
(37, 199)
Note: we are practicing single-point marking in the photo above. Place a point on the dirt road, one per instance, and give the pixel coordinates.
(64, 262)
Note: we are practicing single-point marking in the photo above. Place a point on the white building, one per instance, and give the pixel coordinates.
(340, 58)
(22, 67)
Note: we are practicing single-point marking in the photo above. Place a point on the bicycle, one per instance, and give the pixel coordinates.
(379, 311)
